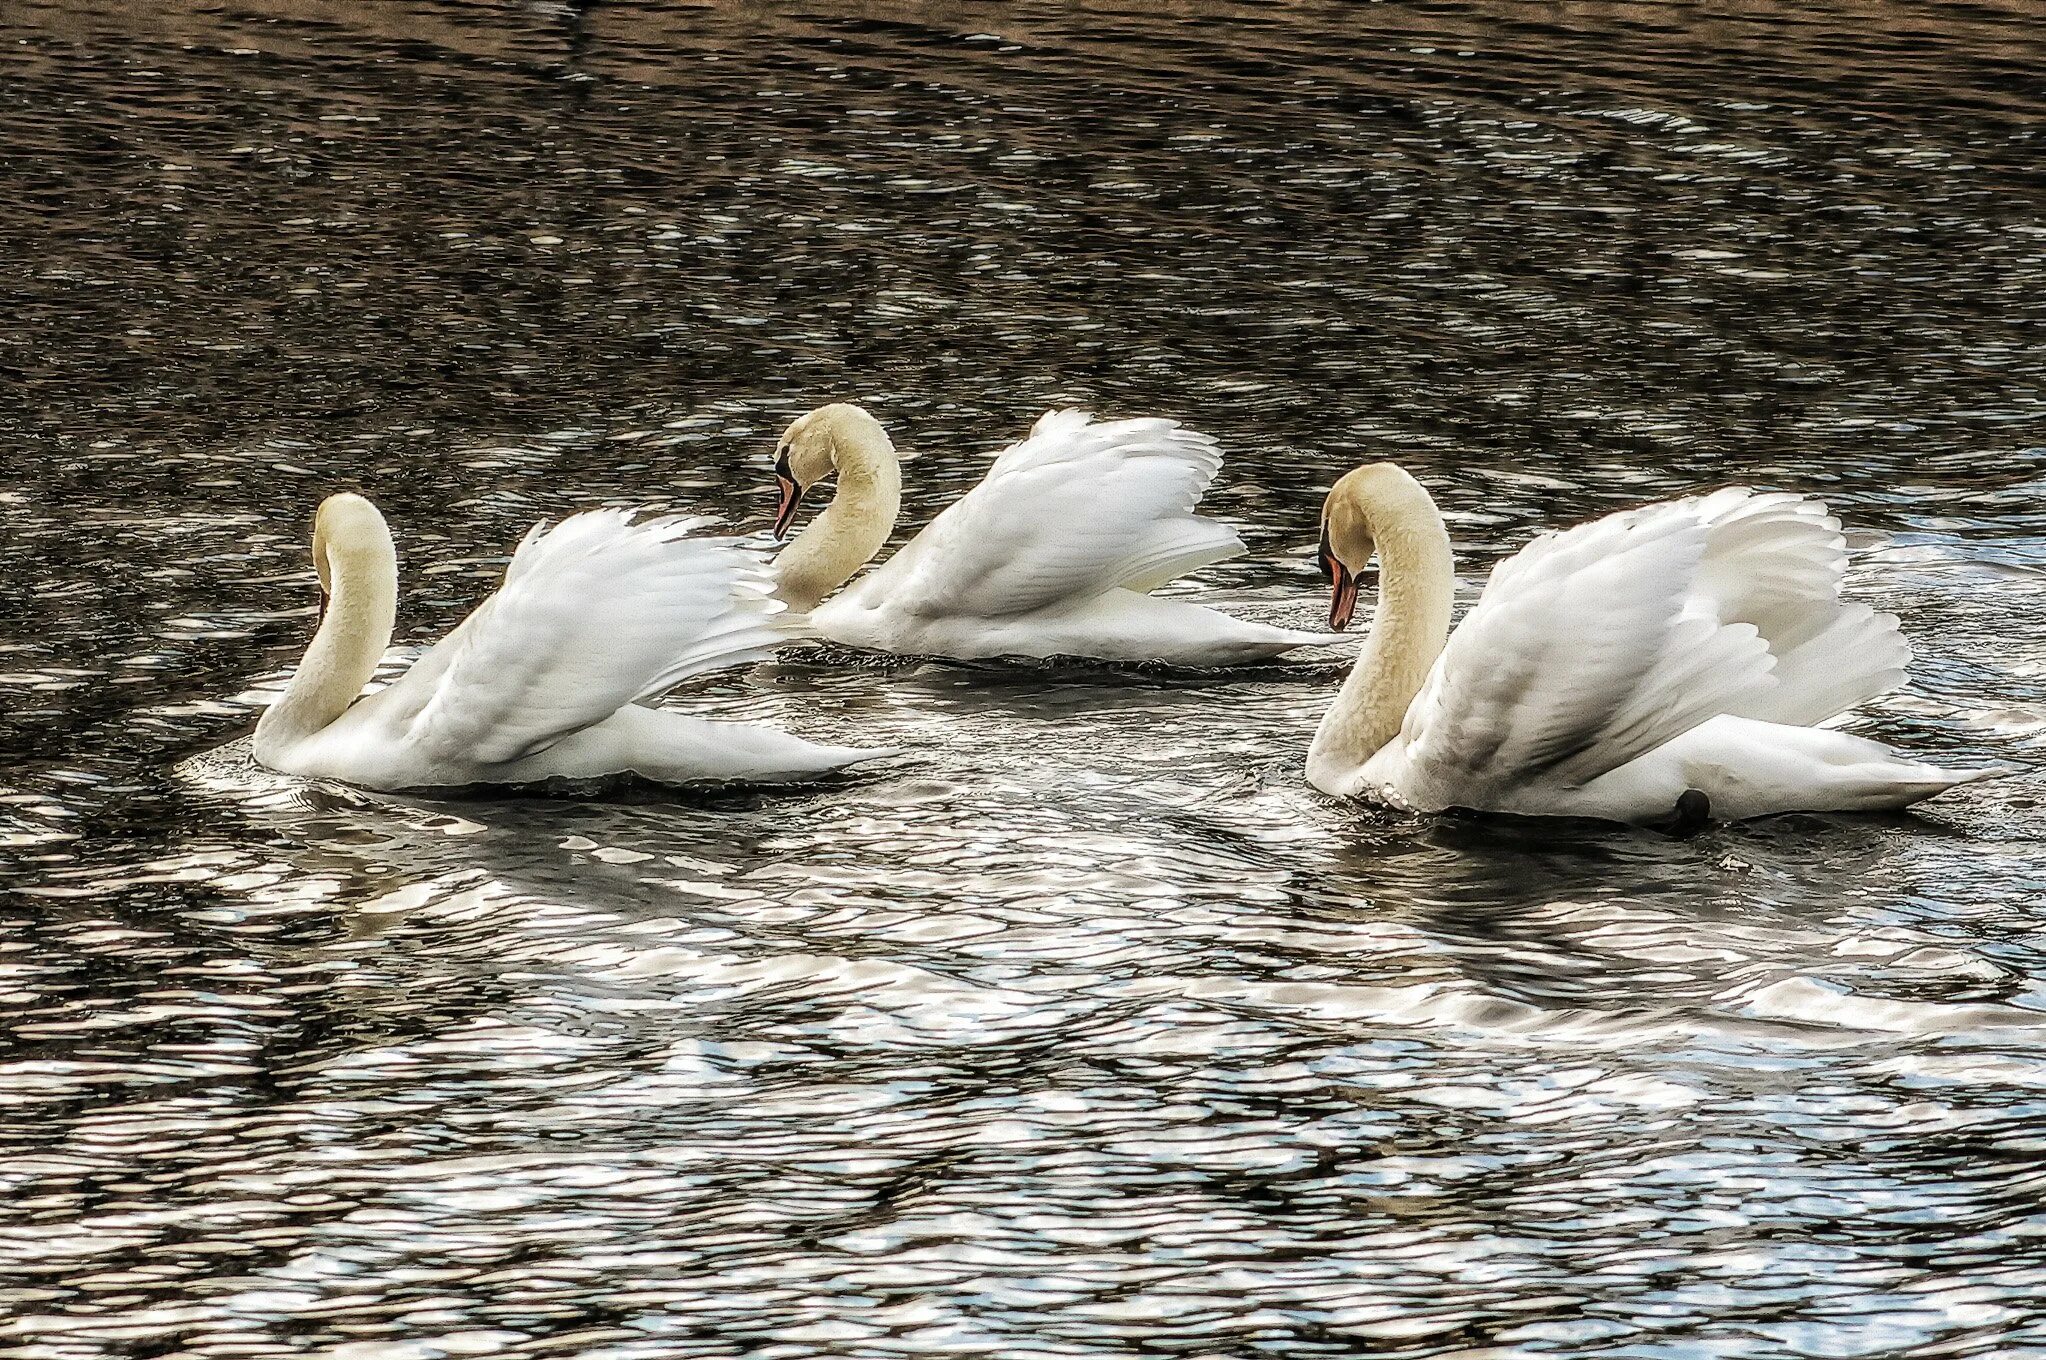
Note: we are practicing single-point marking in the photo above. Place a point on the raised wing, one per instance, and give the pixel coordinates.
(1595, 645)
(594, 613)
(1778, 561)
(1075, 509)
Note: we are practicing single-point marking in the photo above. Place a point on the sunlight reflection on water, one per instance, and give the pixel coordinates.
(1088, 1029)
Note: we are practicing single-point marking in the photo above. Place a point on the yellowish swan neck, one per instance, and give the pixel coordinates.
(1382, 505)
(851, 530)
(358, 568)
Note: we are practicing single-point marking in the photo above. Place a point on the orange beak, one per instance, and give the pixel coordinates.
(1343, 581)
(791, 495)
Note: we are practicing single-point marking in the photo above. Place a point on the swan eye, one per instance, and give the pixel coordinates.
(1325, 558)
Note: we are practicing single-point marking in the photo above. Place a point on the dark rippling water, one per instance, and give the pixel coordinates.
(1091, 1031)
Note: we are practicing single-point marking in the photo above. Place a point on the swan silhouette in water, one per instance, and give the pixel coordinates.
(1668, 662)
(547, 678)
(1054, 553)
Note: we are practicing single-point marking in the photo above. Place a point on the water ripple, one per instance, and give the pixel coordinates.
(1088, 1030)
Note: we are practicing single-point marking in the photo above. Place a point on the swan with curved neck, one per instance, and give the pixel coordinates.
(550, 677)
(844, 442)
(357, 565)
(1658, 666)
(1381, 510)
(1054, 553)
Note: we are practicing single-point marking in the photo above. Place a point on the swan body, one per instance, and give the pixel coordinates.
(1621, 669)
(1054, 553)
(550, 676)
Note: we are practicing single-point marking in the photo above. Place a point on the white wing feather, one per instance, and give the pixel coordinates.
(1593, 646)
(1778, 561)
(594, 614)
(1071, 511)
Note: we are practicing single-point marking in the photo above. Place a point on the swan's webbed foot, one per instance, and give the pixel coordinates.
(1687, 818)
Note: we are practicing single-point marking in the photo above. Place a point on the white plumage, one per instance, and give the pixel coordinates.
(1610, 668)
(1054, 553)
(549, 676)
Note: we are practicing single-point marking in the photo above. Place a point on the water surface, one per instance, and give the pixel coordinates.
(1089, 1030)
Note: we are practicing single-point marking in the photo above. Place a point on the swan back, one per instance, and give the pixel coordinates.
(1594, 646)
(1074, 510)
(596, 613)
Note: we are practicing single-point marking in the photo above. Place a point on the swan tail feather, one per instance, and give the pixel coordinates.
(1898, 783)
(671, 747)
(1756, 768)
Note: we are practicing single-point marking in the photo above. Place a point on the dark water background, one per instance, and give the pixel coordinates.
(1093, 1032)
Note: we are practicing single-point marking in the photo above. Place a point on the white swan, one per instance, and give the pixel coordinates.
(544, 679)
(1054, 553)
(1660, 663)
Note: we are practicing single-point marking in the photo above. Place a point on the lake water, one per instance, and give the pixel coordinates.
(1090, 1030)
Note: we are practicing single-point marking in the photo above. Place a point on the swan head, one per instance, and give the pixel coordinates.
(348, 532)
(817, 446)
(1358, 505)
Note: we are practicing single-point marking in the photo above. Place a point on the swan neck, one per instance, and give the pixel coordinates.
(354, 632)
(1409, 627)
(851, 530)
